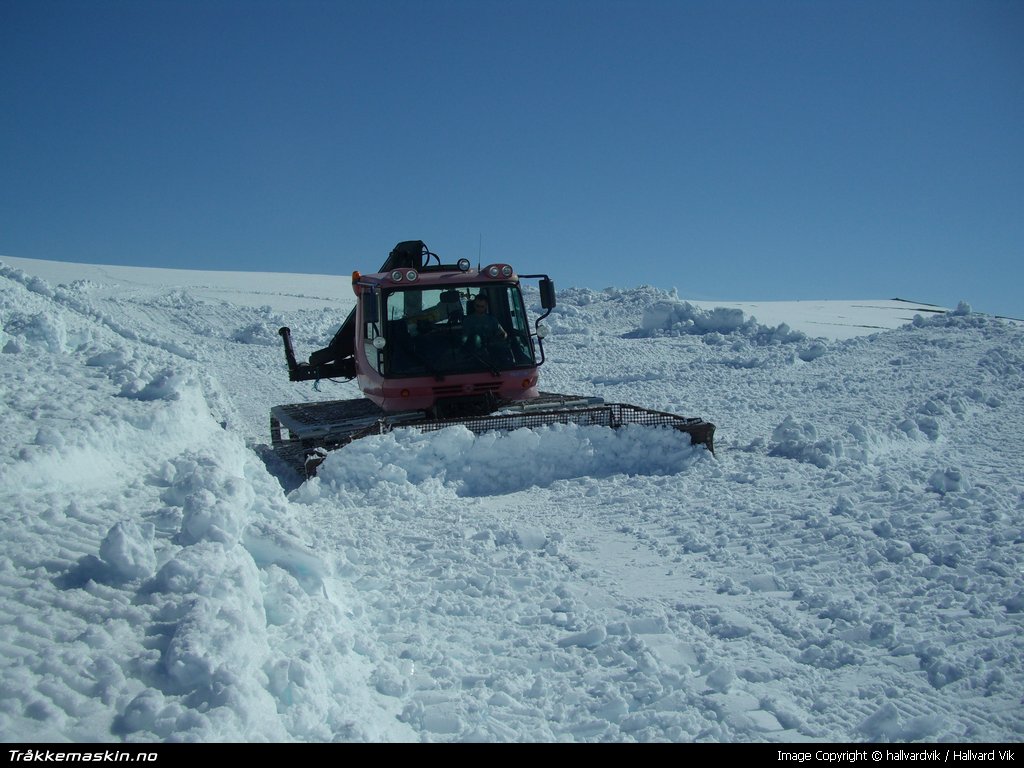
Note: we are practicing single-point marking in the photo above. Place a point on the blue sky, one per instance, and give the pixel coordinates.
(737, 149)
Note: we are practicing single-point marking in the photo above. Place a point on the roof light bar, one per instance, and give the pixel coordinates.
(409, 276)
(496, 271)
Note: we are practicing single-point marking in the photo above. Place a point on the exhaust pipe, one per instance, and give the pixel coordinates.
(289, 351)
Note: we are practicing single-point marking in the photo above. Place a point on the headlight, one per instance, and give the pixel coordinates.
(397, 275)
(411, 275)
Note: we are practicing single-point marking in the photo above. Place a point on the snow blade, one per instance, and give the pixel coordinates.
(313, 429)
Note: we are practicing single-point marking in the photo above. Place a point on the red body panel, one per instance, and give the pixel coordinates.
(423, 392)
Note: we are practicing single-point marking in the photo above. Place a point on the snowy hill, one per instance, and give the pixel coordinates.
(848, 567)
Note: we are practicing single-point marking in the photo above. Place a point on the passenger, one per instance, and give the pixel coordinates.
(449, 309)
(481, 328)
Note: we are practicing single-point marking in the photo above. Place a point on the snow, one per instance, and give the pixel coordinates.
(847, 567)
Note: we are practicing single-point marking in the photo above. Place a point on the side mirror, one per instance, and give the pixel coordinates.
(370, 312)
(547, 293)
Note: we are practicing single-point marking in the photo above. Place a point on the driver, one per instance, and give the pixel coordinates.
(481, 327)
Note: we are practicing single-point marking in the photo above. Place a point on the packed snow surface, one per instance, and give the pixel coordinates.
(849, 565)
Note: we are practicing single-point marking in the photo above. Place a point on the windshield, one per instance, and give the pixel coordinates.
(456, 330)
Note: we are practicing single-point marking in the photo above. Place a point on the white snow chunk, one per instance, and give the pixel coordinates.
(128, 549)
(592, 638)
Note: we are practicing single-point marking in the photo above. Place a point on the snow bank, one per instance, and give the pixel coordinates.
(169, 570)
(674, 318)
